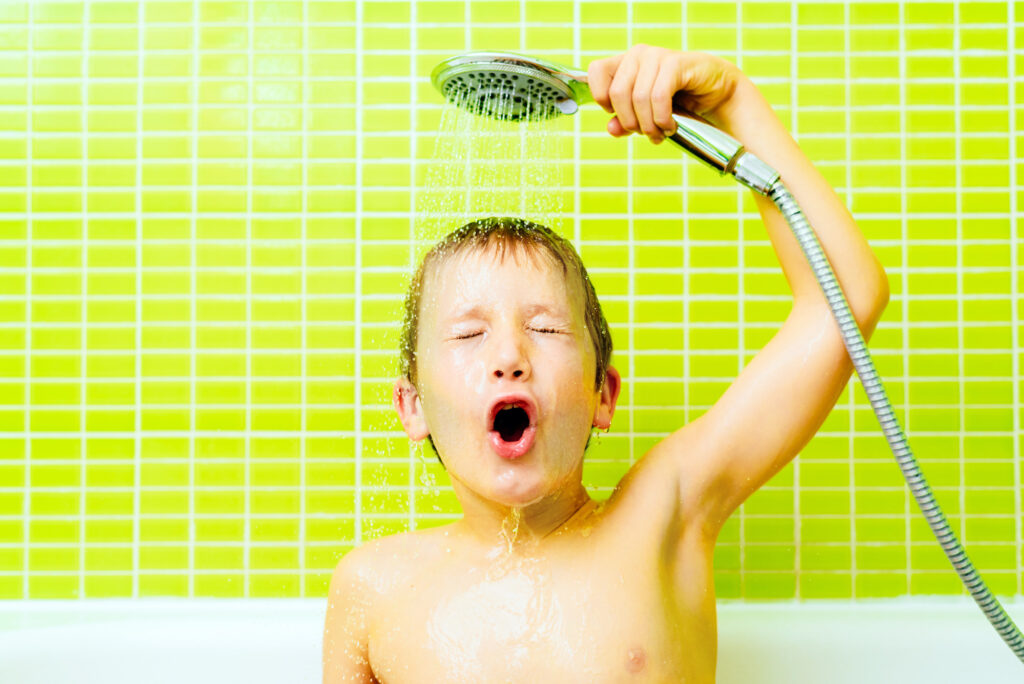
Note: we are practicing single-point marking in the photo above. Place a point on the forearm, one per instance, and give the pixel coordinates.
(750, 119)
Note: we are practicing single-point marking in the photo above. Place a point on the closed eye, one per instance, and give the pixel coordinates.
(474, 334)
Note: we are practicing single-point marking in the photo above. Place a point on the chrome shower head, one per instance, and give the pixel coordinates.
(510, 86)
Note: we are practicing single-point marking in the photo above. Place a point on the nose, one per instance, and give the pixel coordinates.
(509, 360)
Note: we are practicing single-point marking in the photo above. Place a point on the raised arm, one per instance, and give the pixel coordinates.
(783, 395)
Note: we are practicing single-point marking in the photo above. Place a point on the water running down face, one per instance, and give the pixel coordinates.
(497, 332)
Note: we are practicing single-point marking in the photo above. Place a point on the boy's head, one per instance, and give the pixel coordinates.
(504, 306)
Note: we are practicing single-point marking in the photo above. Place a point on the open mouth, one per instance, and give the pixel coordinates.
(511, 422)
(513, 425)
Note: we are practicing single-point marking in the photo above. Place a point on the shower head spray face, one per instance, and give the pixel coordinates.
(513, 87)
(509, 86)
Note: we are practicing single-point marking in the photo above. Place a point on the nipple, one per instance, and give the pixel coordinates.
(636, 659)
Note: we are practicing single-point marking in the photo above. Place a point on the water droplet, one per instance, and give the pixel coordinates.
(485, 166)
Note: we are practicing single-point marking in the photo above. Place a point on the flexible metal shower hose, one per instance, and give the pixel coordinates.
(872, 383)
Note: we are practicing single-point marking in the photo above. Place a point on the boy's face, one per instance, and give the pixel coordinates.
(499, 310)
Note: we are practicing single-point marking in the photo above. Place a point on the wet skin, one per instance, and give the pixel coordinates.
(621, 593)
(537, 582)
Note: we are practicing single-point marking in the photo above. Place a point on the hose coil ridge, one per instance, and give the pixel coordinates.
(872, 383)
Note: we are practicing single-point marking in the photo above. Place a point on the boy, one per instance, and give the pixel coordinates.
(507, 372)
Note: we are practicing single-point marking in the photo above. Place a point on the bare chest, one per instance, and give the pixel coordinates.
(579, 617)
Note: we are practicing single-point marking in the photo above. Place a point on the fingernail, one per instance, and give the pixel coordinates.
(669, 133)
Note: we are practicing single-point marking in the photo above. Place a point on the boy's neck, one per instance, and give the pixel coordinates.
(512, 529)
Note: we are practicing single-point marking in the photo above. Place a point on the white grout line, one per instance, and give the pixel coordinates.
(598, 215)
(84, 314)
(413, 108)
(399, 269)
(193, 318)
(304, 356)
(577, 220)
(14, 434)
(590, 25)
(1011, 55)
(631, 250)
(852, 383)
(687, 261)
(957, 166)
(247, 539)
(137, 488)
(26, 495)
(358, 281)
(709, 297)
(717, 380)
(905, 285)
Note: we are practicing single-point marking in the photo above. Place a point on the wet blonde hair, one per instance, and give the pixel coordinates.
(506, 233)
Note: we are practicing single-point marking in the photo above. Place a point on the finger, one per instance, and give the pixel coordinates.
(643, 88)
(621, 92)
(599, 77)
(616, 129)
(662, 93)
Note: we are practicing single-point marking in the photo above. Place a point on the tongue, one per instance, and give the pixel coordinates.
(511, 423)
(513, 434)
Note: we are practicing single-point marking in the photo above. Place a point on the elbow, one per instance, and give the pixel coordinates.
(867, 300)
(881, 291)
(872, 304)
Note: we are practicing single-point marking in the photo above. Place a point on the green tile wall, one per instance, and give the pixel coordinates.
(206, 219)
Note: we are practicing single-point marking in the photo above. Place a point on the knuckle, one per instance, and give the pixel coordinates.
(640, 95)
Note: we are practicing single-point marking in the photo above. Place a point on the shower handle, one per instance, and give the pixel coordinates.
(723, 153)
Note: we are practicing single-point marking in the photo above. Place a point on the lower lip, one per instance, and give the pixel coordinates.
(512, 450)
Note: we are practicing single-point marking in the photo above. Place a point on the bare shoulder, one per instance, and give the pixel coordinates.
(353, 602)
(354, 572)
(382, 565)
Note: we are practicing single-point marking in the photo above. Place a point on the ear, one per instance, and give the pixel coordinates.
(406, 400)
(609, 395)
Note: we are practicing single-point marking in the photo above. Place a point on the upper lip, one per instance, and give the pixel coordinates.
(515, 399)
